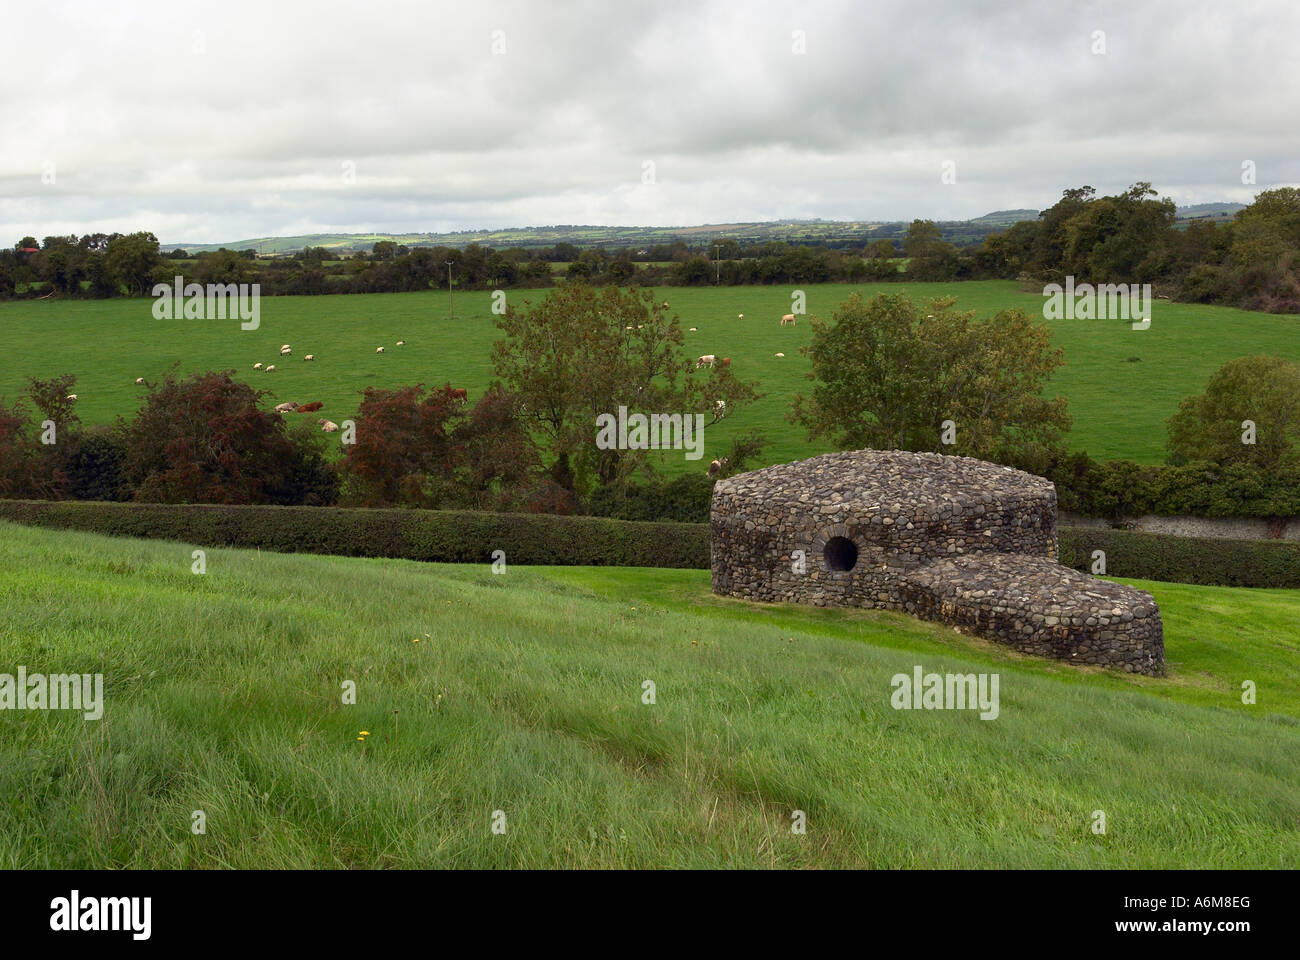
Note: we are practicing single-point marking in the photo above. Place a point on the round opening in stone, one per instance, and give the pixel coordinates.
(841, 554)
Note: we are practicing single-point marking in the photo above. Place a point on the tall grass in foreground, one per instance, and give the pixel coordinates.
(523, 694)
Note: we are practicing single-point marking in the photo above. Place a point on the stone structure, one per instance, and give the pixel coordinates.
(953, 539)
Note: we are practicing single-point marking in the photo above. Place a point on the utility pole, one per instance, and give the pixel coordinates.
(451, 304)
(717, 252)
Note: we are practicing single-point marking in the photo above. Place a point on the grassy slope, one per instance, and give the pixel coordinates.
(1119, 407)
(223, 695)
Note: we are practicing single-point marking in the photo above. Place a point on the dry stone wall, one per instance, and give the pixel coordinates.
(951, 539)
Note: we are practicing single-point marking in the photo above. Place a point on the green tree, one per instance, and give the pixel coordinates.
(583, 352)
(930, 257)
(1209, 426)
(131, 260)
(888, 374)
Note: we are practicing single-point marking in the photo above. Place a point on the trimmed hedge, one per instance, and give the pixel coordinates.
(683, 500)
(455, 536)
(1209, 561)
(450, 536)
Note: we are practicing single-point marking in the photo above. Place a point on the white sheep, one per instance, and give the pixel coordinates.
(401, 343)
(284, 347)
(379, 349)
(257, 366)
(139, 379)
(693, 329)
(72, 396)
(270, 368)
(780, 354)
(310, 356)
(740, 317)
(285, 351)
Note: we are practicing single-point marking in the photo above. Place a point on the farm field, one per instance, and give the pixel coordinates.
(1122, 384)
(523, 694)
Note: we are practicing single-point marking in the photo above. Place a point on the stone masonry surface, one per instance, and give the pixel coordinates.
(952, 539)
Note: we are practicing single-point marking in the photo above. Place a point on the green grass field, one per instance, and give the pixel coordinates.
(523, 694)
(1119, 405)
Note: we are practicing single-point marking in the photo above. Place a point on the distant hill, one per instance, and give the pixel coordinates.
(1209, 211)
(1005, 218)
(837, 233)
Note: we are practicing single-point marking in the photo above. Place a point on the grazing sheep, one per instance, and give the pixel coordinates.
(780, 354)
(740, 317)
(139, 379)
(717, 466)
(310, 407)
(379, 350)
(284, 347)
(285, 351)
(270, 368)
(329, 426)
(693, 329)
(257, 366)
(788, 318)
(401, 343)
(705, 361)
(310, 356)
(285, 407)
(72, 396)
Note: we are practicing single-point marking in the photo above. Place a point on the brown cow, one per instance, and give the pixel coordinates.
(311, 407)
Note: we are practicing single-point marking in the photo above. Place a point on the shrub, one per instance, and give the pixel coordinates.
(205, 440)
(1201, 560)
(430, 535)
(684, 500)
(93, 464)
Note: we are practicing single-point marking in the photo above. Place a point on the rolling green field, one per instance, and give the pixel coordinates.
(1122, 384)
(522, 693)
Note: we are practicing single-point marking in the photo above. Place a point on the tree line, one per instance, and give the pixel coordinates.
(1132, 237)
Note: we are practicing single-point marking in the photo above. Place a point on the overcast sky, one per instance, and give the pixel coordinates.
(220, 121)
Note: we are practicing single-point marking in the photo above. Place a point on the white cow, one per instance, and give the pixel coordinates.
(286, 407)
(788, 318)
(329, 426)
(706, 361)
